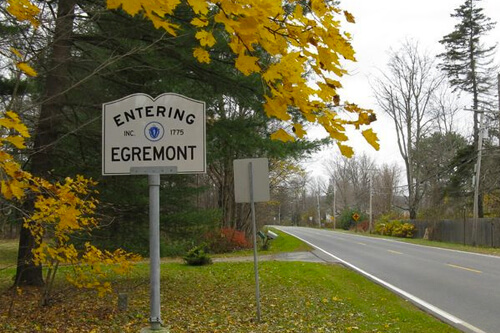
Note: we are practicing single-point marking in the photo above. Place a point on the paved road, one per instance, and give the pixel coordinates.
(461, 288)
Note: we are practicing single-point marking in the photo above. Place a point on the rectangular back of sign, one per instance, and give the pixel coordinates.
(260, 170)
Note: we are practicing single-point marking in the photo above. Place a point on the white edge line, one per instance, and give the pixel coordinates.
(415, 300)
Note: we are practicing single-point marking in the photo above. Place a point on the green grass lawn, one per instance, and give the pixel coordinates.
(8, 252)
(296, 297)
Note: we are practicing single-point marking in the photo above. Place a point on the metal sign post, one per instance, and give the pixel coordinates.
(251, 185)
(154, 244)
(254, 230)
(154, 250)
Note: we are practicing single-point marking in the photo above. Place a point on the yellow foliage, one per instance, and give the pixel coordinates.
(294, 42)
(24, 10)
(62, 208)
(199, 23)
(345, 150)
(349, 17)
(247, 64)
(16, 52)
(201, 55)
(299, 130)
(282, 135)
(206, 38)
(11, 121)
(26, 69)
(199, 6)
(371, 138)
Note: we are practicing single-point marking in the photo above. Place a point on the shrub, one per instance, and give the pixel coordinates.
(345, 220)
(226, 240)
(395, 228)
(197, 257)
(408, 230)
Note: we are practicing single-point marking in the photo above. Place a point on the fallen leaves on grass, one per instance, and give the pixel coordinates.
(296, 297)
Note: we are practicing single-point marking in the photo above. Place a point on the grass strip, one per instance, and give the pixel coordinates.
(296, 297)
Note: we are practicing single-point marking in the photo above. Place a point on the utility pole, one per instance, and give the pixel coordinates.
(477, 176)
(319, 212)
(498, 95)
(370, 226)
(333, 213)
(476, 180)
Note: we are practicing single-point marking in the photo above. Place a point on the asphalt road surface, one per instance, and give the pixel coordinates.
(461, 288)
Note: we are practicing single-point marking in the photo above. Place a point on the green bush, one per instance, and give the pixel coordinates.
(345, 220)
(197, 257)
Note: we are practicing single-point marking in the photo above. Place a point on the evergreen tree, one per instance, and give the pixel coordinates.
(467, 61)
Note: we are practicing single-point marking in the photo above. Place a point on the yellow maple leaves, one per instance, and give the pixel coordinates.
(63, 208)
(205, 37)
(26, 69)
(371, 138)
(282, 135)
(297, 39)
(201, 55)
(14, 180)
(24, 10)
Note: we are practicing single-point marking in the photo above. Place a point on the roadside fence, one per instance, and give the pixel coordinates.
(460, 231)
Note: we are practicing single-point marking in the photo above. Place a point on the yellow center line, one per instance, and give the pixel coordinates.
(395, 252)
(464, 268)
(361, 243)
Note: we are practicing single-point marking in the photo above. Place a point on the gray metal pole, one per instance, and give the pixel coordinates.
(498, 86)
(319, 209)
(334, 208)
(154, 250)
(476, 181)
(370, 226)
(254, 228)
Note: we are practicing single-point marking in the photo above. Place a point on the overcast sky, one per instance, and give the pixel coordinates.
(380, 26)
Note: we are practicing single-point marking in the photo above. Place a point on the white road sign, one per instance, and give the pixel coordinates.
(139, 131)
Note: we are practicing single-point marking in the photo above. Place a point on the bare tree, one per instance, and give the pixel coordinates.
(351, 177)
(386, 188)
(405, 91)
(445, 106)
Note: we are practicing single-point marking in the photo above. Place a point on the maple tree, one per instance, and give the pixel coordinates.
(61, 209)
(296, 48)
(64, 209)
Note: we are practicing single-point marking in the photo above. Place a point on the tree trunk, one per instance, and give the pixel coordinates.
(46, 134)
(27, 273)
